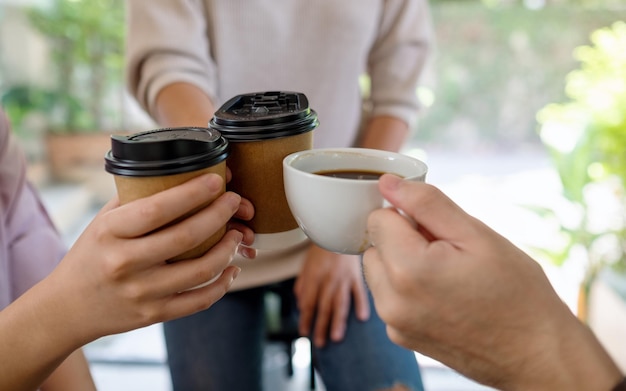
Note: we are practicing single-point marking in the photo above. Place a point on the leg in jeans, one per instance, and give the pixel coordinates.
(366, 360)
(220, 348)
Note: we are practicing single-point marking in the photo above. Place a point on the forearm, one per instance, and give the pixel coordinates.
(384, 132)
(72, 375)
(35, 339)
(183, 104)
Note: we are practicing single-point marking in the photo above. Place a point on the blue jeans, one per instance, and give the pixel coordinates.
(221, 348)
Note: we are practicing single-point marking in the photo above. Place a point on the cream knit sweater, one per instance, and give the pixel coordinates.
(317, 47)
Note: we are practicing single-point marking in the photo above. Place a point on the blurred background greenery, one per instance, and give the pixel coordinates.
(82, 44)
(497, 62)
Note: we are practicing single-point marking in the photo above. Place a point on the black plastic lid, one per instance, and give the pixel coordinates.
(264, 115)
(165, 151)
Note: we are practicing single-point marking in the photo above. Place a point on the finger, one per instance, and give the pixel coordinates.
(147, 214)
(297, 288)
(247, 252)
(307, 299)
(184, 235)
(428, 206)
(382, 288)
(375, 272)
(248, 233)
(110, 205)
(229, 174)
(361, 302)
(391, 233)
(323, 316)
(340, 311)
(166, 279)
(191, 301)
(245, 211)
(189, 273)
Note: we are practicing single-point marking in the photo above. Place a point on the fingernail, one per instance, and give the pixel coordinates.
(337, 335)
(234, 200)
(239, 237)
(236, 272)
(248, 252)
(213, 180)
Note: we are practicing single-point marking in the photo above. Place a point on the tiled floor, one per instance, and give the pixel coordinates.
(489, 187)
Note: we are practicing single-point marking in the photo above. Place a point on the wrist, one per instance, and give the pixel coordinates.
(60, 310)
(575, 360)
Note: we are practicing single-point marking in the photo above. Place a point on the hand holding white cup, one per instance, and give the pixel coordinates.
(331, 192)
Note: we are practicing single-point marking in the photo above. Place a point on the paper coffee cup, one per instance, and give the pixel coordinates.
(262, 128)
(149, 162)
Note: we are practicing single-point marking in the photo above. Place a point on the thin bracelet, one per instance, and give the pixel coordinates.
(621, 386)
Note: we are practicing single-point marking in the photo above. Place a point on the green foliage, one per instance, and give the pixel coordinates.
(586, 137)
(86, 39)
(494, 68)
(543, 3)
(21, 100)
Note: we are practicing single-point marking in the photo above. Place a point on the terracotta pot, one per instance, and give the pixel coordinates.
(76, 157)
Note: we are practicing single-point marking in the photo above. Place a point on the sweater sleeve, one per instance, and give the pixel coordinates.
(397, 58)
(31, 245)
(167, 43)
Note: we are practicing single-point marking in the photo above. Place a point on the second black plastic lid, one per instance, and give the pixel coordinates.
(264, 115)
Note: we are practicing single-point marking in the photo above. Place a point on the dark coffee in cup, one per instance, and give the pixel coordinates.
(352, 174)
(149, 162)
(262, 128)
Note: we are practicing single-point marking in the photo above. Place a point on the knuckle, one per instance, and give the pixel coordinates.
(402, 280)
(429, 194)
(222, 214)
(135, 293)
(101, 232)
(148, 211)
(184, 236)
(116, 267)
(150, 315)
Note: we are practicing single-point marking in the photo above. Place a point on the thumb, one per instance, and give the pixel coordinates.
(431, 209)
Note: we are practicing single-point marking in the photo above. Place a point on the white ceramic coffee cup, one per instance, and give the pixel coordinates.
(332, 211)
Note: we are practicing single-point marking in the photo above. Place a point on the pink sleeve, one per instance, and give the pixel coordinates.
(30, 246)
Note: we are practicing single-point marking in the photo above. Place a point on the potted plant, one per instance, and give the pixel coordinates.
(86, 41)
(586, 137)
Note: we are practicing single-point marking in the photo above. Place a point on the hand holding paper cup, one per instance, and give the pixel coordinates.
(331, 192)
(149, 162)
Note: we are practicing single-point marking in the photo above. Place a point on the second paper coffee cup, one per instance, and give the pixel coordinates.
(149, 162)
(262, 128)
